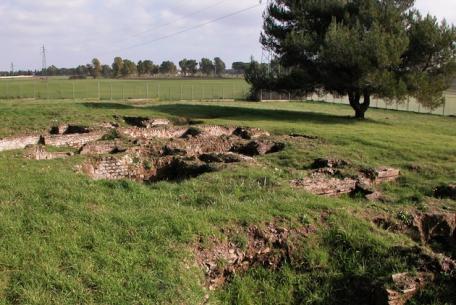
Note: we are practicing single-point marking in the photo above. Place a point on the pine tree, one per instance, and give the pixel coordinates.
(359, 49)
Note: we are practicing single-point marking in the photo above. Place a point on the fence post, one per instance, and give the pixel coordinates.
(98, 89)
(408, 103)
(444, 105)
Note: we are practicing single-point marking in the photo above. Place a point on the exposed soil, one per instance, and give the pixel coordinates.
(268, 246)
(434, 229)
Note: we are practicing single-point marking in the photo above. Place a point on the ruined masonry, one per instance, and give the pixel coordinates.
(148, 150)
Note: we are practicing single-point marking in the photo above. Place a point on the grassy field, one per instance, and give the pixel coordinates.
(107, 89)
(173, 89)
(66, 239)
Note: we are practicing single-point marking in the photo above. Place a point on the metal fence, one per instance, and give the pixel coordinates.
(123, 90)
(411, 105)
(183, 90)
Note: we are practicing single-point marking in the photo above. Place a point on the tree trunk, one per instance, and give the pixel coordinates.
(360, 108)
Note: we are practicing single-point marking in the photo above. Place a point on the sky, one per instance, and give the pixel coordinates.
(75, 31)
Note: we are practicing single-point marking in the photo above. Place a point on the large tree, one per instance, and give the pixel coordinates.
(188, 66)
(359, 49)
(206, 66)
(96, 68)
(128, 68)
(220, 66)
(168, 67)
(117, 66)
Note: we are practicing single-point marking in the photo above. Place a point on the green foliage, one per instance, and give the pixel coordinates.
(366, 48)
(188, 66)
(128, 68)
(168, 67)
(96, 68)
(206, 66)
(239, 67)
(219, 66)
(117, 66)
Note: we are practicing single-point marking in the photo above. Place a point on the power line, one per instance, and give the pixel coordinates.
(180, 19)
(160, 26)
(191, 28)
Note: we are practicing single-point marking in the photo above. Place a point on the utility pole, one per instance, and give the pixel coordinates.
(12, 69)
(43, 60)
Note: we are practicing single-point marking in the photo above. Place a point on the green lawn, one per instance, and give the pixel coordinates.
(66, 239)
(107, 89)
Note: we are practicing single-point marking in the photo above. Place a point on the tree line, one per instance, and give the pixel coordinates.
(123, 68)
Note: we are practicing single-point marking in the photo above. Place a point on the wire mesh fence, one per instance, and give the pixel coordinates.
(124, 90)
(183, 90)
(411, 105)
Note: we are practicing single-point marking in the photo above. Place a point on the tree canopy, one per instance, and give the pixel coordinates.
(358, 48)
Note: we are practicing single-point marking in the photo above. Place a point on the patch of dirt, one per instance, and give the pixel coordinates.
(434, 229)
(269, 246)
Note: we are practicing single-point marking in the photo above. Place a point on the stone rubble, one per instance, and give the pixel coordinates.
(326, 180)
(403, 288)
(152, 150)
(39, 152)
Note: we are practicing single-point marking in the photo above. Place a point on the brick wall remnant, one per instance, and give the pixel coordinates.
(150, 133)
(109, 167)
(100, 148)
(14, 143)
(73, 140)
(39, 152)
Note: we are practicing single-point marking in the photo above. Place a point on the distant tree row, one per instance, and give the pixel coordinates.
(127, 68)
